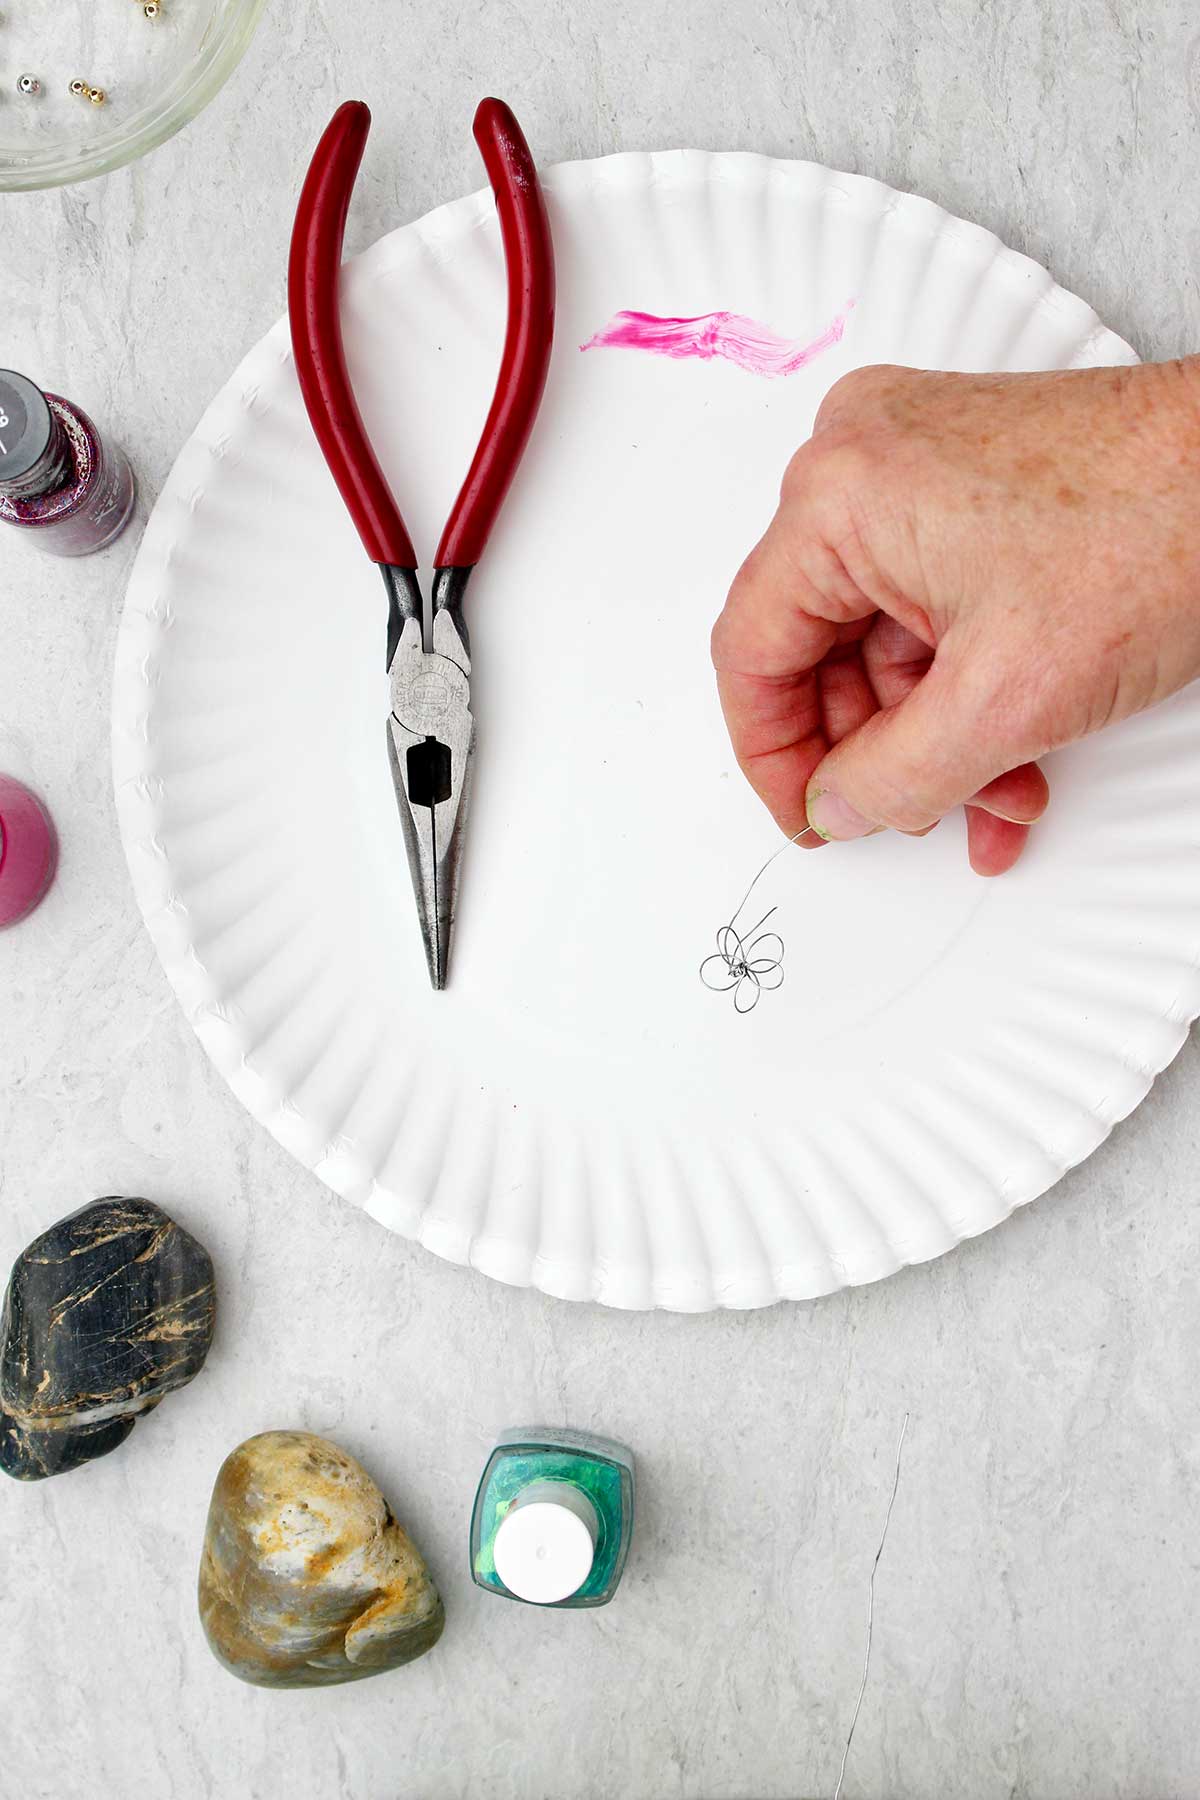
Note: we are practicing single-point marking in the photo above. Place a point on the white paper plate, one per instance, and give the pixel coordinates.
(577, 1111)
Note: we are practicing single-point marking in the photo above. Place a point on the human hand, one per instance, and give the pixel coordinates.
(964, 572)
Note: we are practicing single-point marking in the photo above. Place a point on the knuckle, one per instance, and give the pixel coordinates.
(822, 482)
(857, 395)
(744, 584)
(744, 595)
(719, 637)
(851, 461)
(797, 477)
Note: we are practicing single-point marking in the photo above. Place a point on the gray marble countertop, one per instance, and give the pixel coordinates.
(1038, 1608)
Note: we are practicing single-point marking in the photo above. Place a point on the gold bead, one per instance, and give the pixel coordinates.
(97, 96)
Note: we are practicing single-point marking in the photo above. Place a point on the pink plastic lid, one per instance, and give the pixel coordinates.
(28, 851)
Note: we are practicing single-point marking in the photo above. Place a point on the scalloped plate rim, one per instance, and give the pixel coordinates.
(621, 1287)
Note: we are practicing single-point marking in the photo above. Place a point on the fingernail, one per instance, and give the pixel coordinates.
(1009, 818)
(833, 819)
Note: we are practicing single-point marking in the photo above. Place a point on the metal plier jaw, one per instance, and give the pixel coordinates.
(431, 743)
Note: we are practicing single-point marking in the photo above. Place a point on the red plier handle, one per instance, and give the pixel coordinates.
(313, 274)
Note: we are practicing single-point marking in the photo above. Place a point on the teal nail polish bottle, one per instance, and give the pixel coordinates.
(553, 1518)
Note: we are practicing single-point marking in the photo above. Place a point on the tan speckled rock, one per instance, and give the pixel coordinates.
(306, 1578)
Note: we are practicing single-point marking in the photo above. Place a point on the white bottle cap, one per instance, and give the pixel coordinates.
(546, 1543)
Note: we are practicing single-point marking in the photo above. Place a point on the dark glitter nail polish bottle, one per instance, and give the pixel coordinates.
(59, 480)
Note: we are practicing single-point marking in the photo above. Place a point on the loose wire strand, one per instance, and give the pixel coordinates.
(837, 1792)
(747, 964)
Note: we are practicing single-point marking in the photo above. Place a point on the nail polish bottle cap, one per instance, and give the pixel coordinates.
(546, 1543)
(33, 452)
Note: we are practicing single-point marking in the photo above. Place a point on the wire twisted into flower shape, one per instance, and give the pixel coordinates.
(746, 966)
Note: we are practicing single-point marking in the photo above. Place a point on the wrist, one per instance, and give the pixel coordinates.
(1169, 407)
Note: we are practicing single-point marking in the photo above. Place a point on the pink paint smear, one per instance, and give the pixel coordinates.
(753, 347)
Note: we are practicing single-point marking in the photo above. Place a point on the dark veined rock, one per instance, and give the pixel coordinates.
(306, 1578)
(105, 1314)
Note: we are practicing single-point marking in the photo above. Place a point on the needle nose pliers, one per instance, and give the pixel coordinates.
(431, 732)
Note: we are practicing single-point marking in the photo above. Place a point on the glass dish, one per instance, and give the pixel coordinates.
(156, 74)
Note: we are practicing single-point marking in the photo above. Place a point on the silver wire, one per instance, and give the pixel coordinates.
(837, 1792)
(749, 961)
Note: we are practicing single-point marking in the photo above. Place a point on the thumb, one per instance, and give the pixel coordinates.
(908, 764)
